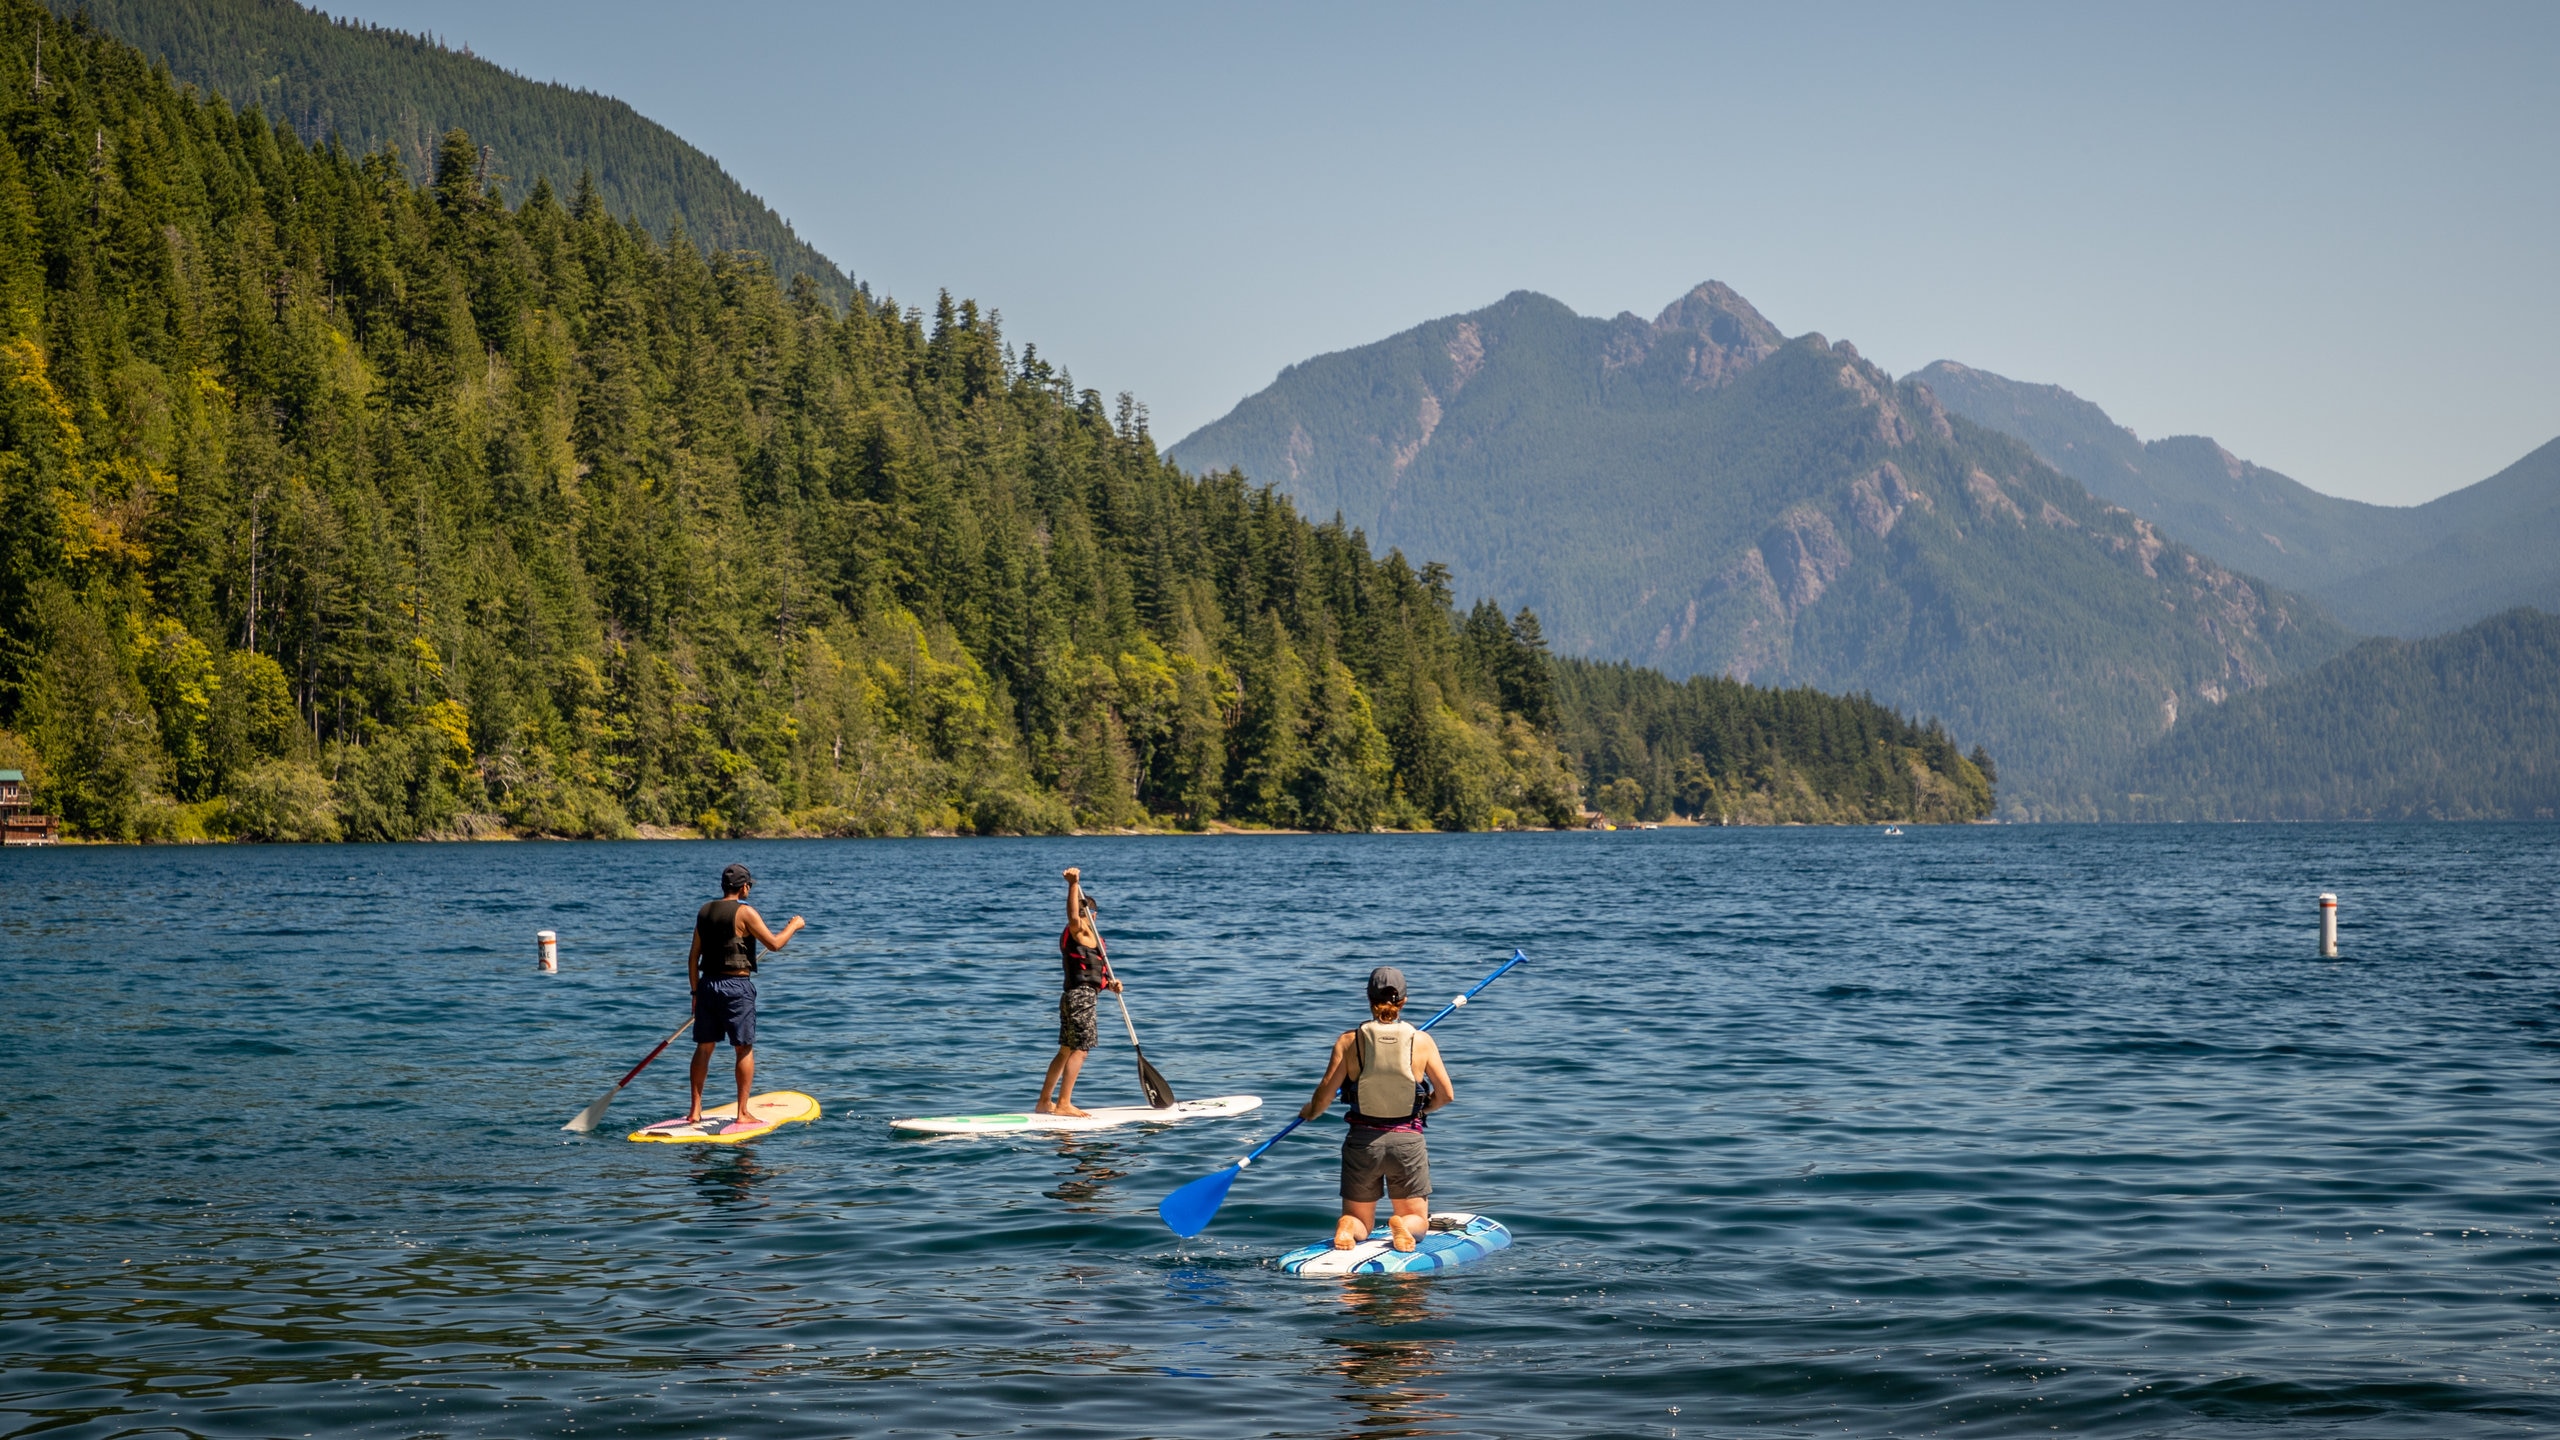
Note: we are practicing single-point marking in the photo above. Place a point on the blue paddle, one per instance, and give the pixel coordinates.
(1189, 1210)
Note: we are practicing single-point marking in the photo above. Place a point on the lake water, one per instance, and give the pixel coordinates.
(1975, 1131)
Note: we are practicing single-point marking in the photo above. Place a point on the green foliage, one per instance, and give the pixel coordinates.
(333, 502)
(282, 800)
(2461, 727)
(1724, 752)
(368, 87)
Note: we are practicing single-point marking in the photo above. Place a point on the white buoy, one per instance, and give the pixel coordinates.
(2328, 926)
(547, 944)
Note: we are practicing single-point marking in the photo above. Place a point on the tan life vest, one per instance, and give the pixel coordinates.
(1388, 1075)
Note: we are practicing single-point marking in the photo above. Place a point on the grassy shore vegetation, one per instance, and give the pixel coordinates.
(335, 506)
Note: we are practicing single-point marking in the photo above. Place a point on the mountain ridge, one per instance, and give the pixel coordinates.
(2385, 569)
(1698, 493)
(370, 85)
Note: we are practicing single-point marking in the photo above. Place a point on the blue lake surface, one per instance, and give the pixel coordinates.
(1973, 1131)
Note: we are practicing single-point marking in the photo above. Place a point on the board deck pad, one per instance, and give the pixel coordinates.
(1455, 1239)
(774, 1109)
(1102, 1117)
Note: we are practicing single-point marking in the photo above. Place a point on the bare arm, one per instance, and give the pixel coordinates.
(1442, 1092)
(753, 924)
(1335, 1072)
(693, 964)
(1075, 896)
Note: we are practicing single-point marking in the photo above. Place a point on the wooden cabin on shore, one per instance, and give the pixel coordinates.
(20, 825)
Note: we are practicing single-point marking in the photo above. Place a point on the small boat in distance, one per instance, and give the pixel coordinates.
(1893, 829)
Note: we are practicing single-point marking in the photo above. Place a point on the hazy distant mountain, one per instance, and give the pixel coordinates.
(1698, 493)
(2397, 570)
(2461, 727)
(369, 85)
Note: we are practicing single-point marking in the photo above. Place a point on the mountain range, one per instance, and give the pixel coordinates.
(368, 86)
(2464, 726)
(1701, 493)
(2382, 569)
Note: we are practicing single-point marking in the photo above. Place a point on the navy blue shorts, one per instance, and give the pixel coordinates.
(725, 1010)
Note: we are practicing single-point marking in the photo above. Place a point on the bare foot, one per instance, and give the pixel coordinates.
(1043, 1108)
(1401, 1238)
(1070, 1110)
(1346, 1233)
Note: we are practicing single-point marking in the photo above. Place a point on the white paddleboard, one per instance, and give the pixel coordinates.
(1102, 1117)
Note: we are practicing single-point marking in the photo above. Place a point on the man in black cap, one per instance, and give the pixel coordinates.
(1391, 1075)
(720, 971)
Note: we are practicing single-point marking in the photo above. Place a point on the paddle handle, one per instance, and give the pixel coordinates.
(1274, 1140)
(654, 1054)
(1452, 1007)
(1251, 1156)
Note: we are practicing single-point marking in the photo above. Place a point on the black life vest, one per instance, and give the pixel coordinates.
(725, 953)
(1084, 965)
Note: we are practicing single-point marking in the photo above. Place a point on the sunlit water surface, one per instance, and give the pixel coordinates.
(1966, 1132)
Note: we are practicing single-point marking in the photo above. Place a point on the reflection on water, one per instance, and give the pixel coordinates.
(1384, 1378)
(727, 1176)
(1089, 1175)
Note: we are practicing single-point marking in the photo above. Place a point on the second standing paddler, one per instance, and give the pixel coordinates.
(1088, 974)
(1392, 1075)
(720, 971)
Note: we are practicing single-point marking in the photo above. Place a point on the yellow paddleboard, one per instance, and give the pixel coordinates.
(719, 1124)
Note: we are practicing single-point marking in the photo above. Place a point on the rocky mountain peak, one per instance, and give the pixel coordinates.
(1724, 334)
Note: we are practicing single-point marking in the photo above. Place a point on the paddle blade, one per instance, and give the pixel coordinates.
(1188, 1211)
(1159, 1090)
(593, 1115)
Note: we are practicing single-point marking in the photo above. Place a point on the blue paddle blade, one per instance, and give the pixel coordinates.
(1189, 1210)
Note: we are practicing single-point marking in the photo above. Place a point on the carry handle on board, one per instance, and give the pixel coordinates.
(1189, 1210)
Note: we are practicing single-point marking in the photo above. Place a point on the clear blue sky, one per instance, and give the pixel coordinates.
(2326, 234)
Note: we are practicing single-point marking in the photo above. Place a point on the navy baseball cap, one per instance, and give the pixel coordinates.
(735, 879)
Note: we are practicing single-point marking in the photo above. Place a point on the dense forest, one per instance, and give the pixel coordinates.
(1721, 752)
(369, 86)
(2463, 726)
(334, 505)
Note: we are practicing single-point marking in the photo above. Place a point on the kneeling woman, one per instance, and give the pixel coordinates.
(1391, 1074)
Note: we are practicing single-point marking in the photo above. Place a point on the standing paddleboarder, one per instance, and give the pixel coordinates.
(1088, 974)
(720, 970)
(1391, 1074)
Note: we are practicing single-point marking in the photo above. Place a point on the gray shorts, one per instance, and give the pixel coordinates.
(1393, 1160)
(1075, 1017)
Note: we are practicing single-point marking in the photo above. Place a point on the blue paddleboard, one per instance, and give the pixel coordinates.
(1454, 1240)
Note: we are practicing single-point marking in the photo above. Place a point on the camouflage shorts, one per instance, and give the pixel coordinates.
(1075, 1017)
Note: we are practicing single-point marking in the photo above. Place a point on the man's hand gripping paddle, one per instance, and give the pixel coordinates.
(1189, 1210)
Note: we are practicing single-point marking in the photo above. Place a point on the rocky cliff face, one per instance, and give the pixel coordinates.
(1697, 492)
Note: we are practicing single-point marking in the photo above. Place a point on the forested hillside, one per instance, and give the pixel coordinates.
(2460, 727)
(1723, 752)
(369, 87)
(332, 505)
(1701, 494)
(2390, 569)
